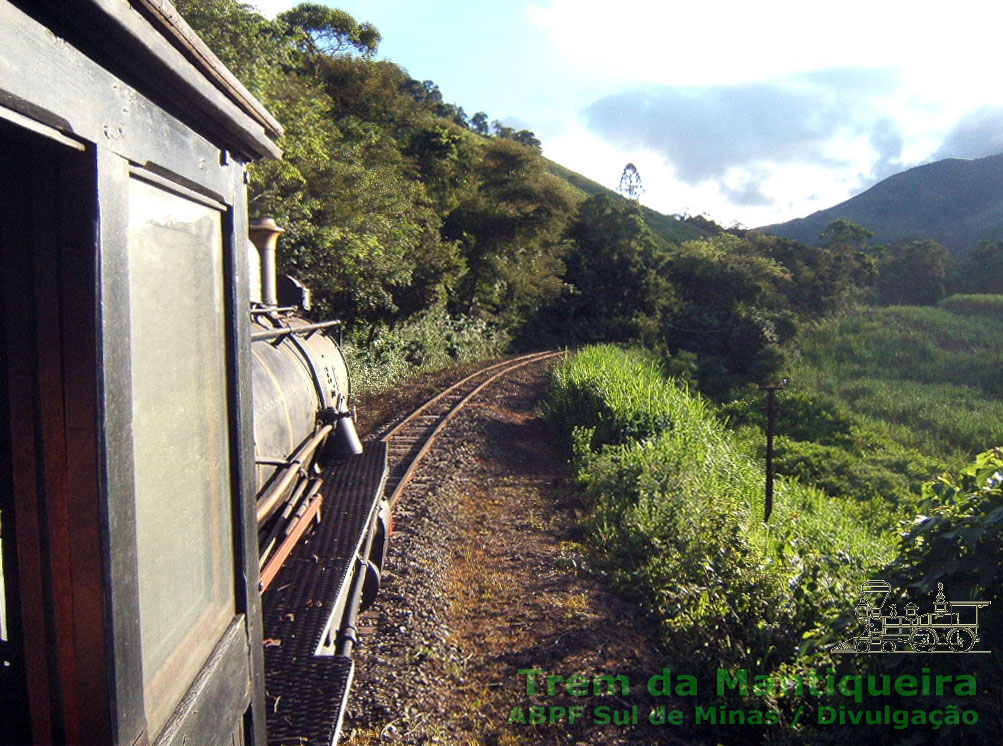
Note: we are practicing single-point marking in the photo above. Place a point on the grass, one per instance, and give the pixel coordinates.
(673, 507)
(982, 305)
(930, 379)
(883, 399)
(881, 402)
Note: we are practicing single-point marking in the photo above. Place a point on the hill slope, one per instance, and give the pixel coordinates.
(955, 202)
(669, 230)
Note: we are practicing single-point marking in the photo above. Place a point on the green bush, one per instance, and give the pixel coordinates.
(957, 541)
(426, 342)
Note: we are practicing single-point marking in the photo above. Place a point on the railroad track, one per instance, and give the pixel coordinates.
(411, 438)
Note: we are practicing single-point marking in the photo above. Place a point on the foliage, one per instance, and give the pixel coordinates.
(731, 311)
(615, 285)
(510, 228)
(389, 356)
(982, 270)
(393, 208)
(913, 273)
(974, 305)
(331, 31)
(882, 399)
(821, 442)
(671, 504)
(667, 231)
(927, 378)
(957, 541)
(845, 235)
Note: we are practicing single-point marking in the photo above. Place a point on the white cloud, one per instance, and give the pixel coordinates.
(271, 8)
(789, 110)
(726, 41)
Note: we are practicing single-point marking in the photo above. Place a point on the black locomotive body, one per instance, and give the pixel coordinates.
(162, 455)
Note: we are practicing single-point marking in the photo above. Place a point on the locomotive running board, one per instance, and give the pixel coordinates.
(306, 692)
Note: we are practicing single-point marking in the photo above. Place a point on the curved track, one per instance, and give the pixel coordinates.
(411, 438)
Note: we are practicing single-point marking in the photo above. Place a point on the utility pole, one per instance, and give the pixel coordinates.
(771, 406)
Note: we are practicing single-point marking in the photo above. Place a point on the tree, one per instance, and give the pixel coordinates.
(913, 273)
(510, 229)
(982, 269)
(528, 139)
(501, 130)
(819, 280)
(331, 31)
(617, 290)
(733, 313)
(479, 123)
(845, 235)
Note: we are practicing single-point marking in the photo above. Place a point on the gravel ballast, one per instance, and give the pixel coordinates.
(484, 578)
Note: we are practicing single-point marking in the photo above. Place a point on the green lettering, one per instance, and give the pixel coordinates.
(906, 686)
(964, 688)
(739, 680)
(611, 682)
(517, 716)
(552, 682)
(705, 714)
(530, 674)
(577, 686)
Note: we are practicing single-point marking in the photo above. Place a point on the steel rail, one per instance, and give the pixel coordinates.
(507, 366)
(480, 371)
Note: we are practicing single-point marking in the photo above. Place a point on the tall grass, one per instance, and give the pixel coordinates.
(674, 509)
(982, 305)
(930, 378)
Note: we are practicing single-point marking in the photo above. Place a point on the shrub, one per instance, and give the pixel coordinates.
(428, 341)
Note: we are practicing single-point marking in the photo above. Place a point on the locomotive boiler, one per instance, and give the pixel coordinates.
(312, 473)
(300, 386)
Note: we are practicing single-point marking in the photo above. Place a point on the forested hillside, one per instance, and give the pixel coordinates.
(437, 236)
(397, 205)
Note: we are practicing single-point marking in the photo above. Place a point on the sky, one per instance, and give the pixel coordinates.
(748, 112)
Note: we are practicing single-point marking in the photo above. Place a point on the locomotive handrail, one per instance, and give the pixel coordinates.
(273, 496)
(287, 330)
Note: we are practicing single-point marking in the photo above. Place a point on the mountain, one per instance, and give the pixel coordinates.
(954, 202)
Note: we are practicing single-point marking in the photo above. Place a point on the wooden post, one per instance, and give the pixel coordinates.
(771, 405)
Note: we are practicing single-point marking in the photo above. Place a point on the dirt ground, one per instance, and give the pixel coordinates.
(485, 579)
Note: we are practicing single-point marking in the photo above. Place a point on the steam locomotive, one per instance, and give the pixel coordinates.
(188, 528)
